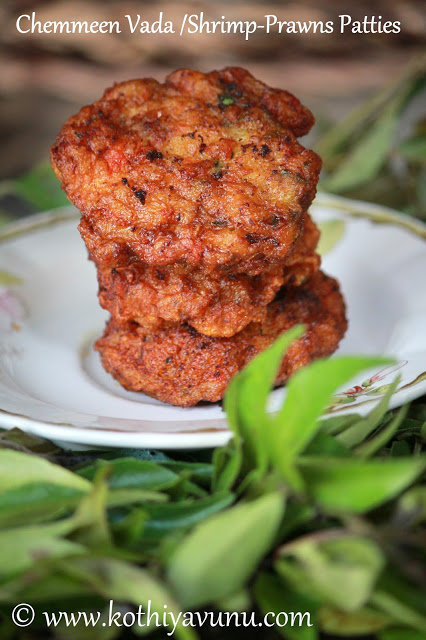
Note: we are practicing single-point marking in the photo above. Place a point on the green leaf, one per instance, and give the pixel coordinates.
(90, 518)
(339, 136)
(337, 424)
(227, 465)
(414, 149)
(18, 469)
(43, 584)
(401, 599)
(239, 601)
(325, 445)
(368, 156)
(163, 519)
(360, 430)
(199, 472)
(418, 412)
(256, 382)
(411, 507)
(354, 623)
(95, 632)
(215, 560)
(371, 446)
(273, 596)
(228, 461)
(125, 497)
(253, 385)
(336, 139)
(36, 502)
(399, 610)
(353, 485)
(125, 473)
(41, 188)
(308, 394)
(367, 134)
(245, 405)
(296, 515)
(407, 85)
(331, 232)
(120, 581)
(341, 570)
(22, 546)
(400, 449)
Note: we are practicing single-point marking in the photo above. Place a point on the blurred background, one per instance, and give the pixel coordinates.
(45, 78)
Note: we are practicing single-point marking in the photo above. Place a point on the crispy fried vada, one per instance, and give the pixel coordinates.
(193, 197)
(204, 169)
(219, 303)
(182, 367)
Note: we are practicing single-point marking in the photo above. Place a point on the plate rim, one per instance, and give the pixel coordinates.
(102, 437)
(108, 438)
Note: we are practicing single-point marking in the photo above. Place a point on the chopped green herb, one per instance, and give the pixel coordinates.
(225, 100)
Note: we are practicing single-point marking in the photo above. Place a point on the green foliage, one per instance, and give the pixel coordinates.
(271, 593)
(16, 472)
(295, 514)
(39, 188)
(331, 232)
(341, 570)
(218, 557)
(126, 473)
(354, 486)
(363, 157)
(369, 154)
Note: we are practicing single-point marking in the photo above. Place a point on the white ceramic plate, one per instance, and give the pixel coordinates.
(51, 380)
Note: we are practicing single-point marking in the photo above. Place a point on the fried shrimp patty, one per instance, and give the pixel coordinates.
(218, 303)
(193, 196)
(182, 367)
(204, 170)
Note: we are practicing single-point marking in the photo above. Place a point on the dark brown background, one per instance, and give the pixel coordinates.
(45, 78)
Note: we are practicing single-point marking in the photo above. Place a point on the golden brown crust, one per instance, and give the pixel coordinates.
(193, 196)
(182, 367)
(218, 303)
(204, 169)
(286, 108)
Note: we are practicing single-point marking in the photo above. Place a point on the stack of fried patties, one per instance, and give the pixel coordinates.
(194, 196)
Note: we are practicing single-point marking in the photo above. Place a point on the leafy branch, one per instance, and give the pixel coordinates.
(294, 514)
(363, 157)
